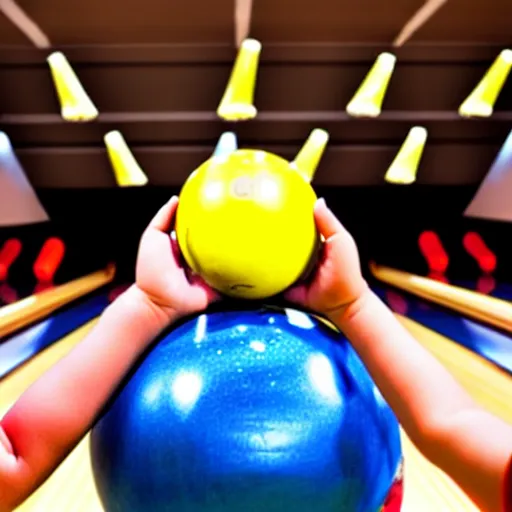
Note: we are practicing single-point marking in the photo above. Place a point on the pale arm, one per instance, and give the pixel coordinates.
(448, 427)
(51, 417)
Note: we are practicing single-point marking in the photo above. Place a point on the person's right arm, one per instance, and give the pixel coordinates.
(471, 445)
(447, 426)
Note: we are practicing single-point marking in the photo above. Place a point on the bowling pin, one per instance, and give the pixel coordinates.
(226, 145)
(49, 260)
(486, 284)
(367, 102)
(8, 255)
(76, 106)
(237, 104)
(433, 251)
(308, 158)
(127, 171)
(405, 166)
(8, 294)
(438, 276)
(478, 250)
(480, 103)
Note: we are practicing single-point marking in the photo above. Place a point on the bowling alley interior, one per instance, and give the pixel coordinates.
(398, 114)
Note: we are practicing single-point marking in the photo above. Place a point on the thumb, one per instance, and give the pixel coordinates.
(327, 223)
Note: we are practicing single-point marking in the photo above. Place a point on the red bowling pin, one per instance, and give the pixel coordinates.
(478, 250)
(8, 294)
(42, 286)
(49, 259)
(436, 276)
(486, 284)
(8, 255)
(433, 251)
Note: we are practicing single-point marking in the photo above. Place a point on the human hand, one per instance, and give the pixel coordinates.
(160, 274)
(337, 281)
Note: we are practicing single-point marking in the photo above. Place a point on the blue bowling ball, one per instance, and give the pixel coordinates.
(262, 410)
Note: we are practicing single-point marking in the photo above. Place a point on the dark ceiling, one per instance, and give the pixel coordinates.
(157, 70)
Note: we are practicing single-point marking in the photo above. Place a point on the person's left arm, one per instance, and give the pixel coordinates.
(49, 419)
(58, 409)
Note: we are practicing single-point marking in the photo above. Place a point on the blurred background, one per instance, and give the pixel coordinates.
(157, 71)
(106, 108)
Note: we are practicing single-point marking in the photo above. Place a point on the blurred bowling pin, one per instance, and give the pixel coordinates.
(8, 294)
(480, 103)
(8, 255)
(404, 168)
(75, 104)
(486, 284)
(438, 276)
(226, 145)
(237, 104)
(309, 156)
(478, 250)
(368, 100)
(127, 171)
(49, 260)
(433, 251)
(42, 286)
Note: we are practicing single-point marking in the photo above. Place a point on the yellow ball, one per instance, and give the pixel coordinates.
(245, 224)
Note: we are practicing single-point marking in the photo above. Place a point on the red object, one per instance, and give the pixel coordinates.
(42, 286)
(486, 284)
(49, 259)
(433, 251)
(439, 277)
(476, 247)
(8, 254)
(395, 497)
(8, 294)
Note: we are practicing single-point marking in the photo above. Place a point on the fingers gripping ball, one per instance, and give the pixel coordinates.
(245, 223)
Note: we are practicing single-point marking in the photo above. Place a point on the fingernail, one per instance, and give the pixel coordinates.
(321, 202)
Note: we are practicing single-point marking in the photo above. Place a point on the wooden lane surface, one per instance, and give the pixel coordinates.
(484, 308)
(71, 487)
(41, 305)
(426, 487)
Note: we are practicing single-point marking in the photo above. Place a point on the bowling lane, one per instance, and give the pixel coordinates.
(493, 345)
(488, 285)
(20, 347)
(481, 308)
(71, 487)
(16, 289)
(488, 385)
